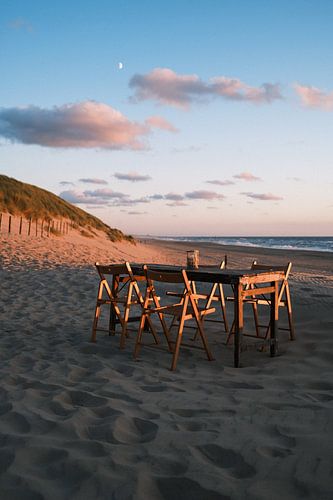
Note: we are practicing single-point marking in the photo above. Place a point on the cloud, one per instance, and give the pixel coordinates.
(167, 87)
(263, 196)
(173, 197)
(162, 123)
(204, 195)
(247, 176)
(86, 124)
(156, 196)
(93, 181)
(137, 213)
(66, 183)
(220, 183)
(105, 194)
(76, 197)
(132, 177)
(313, 97)
(97, 197)
(177, 203)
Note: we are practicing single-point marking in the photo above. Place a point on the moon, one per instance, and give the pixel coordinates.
(120, 65)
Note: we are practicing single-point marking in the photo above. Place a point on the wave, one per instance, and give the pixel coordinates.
(310, 243)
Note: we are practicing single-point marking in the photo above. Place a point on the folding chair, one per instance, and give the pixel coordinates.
(123, 291)
(184, 310)
(284, 300)
(216, 294)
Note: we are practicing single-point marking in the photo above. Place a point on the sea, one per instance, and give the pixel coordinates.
(318, 243)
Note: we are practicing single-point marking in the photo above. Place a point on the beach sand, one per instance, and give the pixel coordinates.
(83, 421)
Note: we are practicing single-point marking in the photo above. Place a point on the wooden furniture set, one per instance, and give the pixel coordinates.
(260, 285)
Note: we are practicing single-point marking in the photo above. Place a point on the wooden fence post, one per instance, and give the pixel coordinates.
(9, 224)
(36, 227)
(20, 228)
(41, 228)
(29, 227)
(0, 221)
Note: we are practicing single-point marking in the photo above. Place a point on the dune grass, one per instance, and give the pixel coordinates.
(19, 198)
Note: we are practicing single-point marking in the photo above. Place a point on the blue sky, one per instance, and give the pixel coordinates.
(187, 117)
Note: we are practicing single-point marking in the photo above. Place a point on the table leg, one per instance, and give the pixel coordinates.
(239, 321)
(274, 316)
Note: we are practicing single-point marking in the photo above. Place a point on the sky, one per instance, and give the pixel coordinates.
(187, 117)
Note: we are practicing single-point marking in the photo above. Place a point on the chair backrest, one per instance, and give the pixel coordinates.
(164, 276)
(266, 267)
(114, 270)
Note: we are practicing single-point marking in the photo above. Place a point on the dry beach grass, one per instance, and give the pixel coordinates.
(85, 421)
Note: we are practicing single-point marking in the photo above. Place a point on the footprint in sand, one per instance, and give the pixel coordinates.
(227, 459)
(14, 422)
(273, 452)
(134, 430)
(82, 398)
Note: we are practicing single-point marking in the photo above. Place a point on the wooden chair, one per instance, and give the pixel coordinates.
(121, 295)
(216, 293)
(284, 300)
(184, 310)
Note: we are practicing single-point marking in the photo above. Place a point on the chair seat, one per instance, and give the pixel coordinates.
(176, 311)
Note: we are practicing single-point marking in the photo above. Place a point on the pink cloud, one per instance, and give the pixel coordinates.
(247, 176)
(204, 195)
(173, 197)
(160, 122)
(220, 183)
(263, 196)
(87, 124)
(132, 177)
(93, 181)
(177, 204)
(168, 87)
(313, 97)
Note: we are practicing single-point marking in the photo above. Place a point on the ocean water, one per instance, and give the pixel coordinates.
(318, 243)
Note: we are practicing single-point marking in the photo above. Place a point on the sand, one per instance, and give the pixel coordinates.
(85, 421)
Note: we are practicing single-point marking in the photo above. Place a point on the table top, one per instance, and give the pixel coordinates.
(213, 274)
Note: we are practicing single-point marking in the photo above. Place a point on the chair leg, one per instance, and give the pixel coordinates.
(200, 329)
(95, 323)
(231, 333)
(256, 319)
(124, 333)
(178, 342)
(223, 307)
(292, 335)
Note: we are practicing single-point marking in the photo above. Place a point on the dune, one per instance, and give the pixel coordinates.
(81, 420)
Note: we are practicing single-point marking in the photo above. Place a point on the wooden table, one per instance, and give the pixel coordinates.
(242, 281)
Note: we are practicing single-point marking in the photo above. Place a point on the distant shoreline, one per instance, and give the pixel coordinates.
(310, 260)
